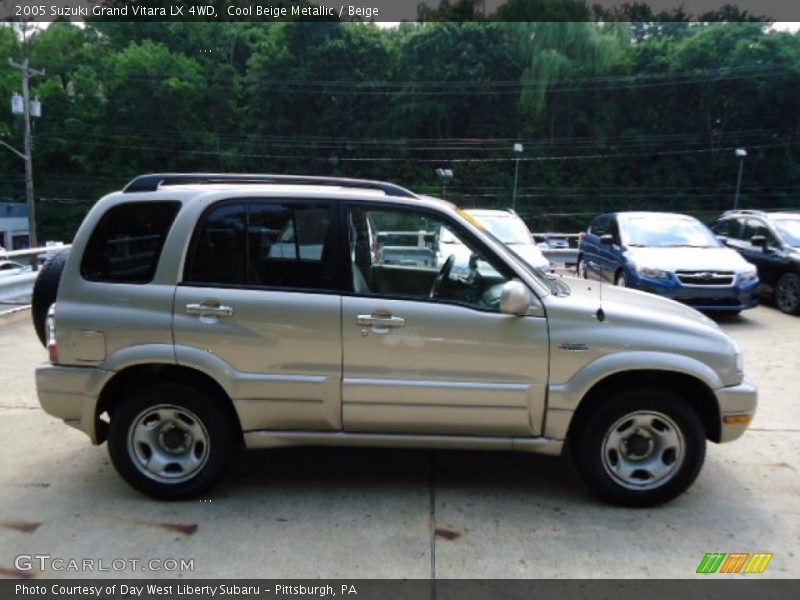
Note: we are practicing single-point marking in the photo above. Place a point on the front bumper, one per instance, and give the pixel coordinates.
(736, 297)
(736, 401)
(69, 394)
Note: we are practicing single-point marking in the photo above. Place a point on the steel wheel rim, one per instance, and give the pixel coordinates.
(643, 450)
(788, 293)
(168, 443)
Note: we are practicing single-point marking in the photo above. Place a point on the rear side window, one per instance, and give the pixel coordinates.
(600, 226)
(127, 242)
(264, 244)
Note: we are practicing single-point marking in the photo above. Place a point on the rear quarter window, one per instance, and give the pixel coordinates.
(126, 244)
(727, 228)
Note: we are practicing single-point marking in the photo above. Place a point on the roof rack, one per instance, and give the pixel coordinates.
(152, 181)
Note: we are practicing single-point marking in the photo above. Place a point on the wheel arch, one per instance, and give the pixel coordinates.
(698, 394)
(138, 375)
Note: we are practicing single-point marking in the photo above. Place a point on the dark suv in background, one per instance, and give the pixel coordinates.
(771, 241)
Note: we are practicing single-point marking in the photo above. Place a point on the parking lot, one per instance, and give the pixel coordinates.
(365, 513)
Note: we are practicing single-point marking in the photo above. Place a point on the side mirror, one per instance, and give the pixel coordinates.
(759, 241)
(607, 239)
(515, 298)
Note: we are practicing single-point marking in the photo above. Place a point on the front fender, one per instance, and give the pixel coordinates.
(567, 395)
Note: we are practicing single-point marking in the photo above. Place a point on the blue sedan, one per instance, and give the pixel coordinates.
(668, 254)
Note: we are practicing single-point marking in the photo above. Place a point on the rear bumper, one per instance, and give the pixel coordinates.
(736, 401)
(68, 393)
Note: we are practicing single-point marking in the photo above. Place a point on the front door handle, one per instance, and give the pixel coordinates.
(209, 307)
(380, 320)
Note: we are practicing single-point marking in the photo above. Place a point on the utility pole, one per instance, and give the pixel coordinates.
(27, 154)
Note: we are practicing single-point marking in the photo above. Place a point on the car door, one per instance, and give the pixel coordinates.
(770, 261)
(423, 357)
(593, 247)
(609, 256)
(260, 307)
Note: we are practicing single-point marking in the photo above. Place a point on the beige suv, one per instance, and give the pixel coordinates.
(198, 313)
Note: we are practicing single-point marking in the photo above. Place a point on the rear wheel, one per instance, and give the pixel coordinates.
(170, 440)
(640, 448)
(787, 293)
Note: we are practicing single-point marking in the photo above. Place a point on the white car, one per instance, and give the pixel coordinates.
(9, 267)
(507, 227)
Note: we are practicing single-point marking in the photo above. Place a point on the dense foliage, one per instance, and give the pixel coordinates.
(611, 115)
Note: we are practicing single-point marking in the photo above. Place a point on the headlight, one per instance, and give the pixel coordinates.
(748, 275)
(649, 273)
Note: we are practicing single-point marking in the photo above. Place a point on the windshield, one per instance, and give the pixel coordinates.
(789, 230)
(550, 283)
(665, 231)
(507, 229)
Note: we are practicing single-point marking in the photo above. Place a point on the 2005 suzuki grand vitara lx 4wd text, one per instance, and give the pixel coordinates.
(197, 313)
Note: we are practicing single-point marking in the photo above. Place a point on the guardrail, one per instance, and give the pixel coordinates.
(560, 249)
(16, 286)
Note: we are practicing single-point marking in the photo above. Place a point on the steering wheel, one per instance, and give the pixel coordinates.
(444, 275)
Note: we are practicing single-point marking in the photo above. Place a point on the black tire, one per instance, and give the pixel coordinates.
(580, 269)
(592, 436)
(787, 293)
(219, 428)
(45, 290)
(620, 279)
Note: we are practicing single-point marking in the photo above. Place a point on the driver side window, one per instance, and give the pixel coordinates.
(417, 255)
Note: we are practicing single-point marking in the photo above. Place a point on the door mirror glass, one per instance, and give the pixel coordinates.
(515, 298)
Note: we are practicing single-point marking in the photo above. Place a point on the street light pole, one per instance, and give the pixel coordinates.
(742, 154)
(27, 154)
(445, 176)
(517, 151)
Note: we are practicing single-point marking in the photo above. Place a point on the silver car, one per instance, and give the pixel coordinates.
(179, 335)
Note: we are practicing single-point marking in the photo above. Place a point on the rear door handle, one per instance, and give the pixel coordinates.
(209, 308)
(379, 320)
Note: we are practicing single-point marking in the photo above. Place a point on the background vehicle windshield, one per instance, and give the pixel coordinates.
(507, 230)
(663, 231)
(789, 230)
(538, 273)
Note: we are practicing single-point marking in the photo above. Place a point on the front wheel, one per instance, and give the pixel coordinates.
(639, 448)
(621, 280)
(580, 269)
(170, 440)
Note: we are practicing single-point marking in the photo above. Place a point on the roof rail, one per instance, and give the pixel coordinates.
(743, 211)
(152, 181)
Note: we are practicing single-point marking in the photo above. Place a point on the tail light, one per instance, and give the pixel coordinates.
(52, 346)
